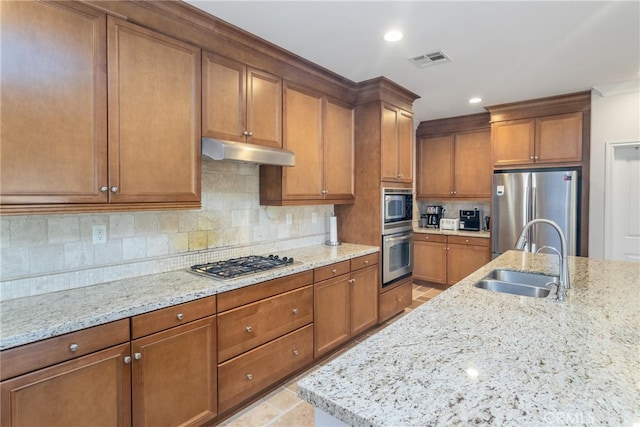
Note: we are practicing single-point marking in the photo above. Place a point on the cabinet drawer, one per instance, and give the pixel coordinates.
(436, 238)
(254, 324)
(333, 270)
(169, 317)
(253, 293)
(473, 241)
(30, 357)
(248, 374)
(364, 261)
(395, 301)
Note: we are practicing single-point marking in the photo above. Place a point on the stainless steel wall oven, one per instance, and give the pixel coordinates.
(397, 234)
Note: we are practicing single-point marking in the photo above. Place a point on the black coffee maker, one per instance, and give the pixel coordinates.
(433, 215)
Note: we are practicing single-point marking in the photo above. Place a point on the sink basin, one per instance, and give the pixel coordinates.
(518, 283)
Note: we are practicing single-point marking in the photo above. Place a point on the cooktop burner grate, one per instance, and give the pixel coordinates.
(236, 267)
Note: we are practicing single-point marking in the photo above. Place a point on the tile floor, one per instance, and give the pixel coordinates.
(282, 407)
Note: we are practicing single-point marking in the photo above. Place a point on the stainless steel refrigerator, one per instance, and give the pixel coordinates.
(519, 197)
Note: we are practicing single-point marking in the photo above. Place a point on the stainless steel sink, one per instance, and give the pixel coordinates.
(518, 283)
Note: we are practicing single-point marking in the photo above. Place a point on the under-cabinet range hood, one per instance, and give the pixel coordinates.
(217, 149)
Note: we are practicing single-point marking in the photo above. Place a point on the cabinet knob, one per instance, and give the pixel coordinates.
(73, 347)
(334, 271)
(366, 261)
(137, 356)
(530, 157)
(245, 133)
(249, 329)
(104, 189)
(295, 311)
(466, 241)
(399, 299)
(249, 376)
(295, 352)
(127, 360)
(114, 189)
(180, 316)
(250, 133)
(352, 281)
(536, 157)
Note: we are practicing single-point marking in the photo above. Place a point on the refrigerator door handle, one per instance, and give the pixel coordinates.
(534, 208)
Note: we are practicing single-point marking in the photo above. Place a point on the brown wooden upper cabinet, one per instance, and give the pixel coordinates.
(550, 139)
(454, 158)
(455, 165)
(397, 144)
(59, 151)
(240, 103)
(320, 131)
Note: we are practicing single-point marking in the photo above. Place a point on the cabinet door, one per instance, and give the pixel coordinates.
(364, 299)
(395, 300)
(339, 151)
(331, 311)
(512, 142)
(303, 136)
(174, 376)
(472, 165)
(264, 108)
(93, 390)
(154, 116)
(559, 138)
(435, 159)
(405, 146)
(389, 143)
(224, 97)
(430, 261)
(464, 260)
(54, 105)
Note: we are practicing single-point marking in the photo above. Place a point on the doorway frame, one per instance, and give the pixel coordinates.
(610, 148)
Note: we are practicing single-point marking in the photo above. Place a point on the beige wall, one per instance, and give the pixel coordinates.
(43, 253)
(615, 117)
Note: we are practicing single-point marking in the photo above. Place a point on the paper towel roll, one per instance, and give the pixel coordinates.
(333, 229)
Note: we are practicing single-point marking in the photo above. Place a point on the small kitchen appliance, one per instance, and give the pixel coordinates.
(449, 223)
(471, 220)
(434, 214)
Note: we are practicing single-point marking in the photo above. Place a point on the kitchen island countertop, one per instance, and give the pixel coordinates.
(30, 319)
(472, 356)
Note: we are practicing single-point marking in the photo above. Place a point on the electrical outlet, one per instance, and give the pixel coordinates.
(314, 217)
(99, 234)
(289, 219)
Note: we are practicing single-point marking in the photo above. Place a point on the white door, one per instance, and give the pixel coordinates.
(622, 202)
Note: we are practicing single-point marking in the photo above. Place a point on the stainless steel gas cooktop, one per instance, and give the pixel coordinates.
(236, 267)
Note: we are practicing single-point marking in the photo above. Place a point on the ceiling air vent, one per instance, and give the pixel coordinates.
(429, 59)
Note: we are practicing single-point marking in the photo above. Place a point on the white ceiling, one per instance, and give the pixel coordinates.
(502, 51)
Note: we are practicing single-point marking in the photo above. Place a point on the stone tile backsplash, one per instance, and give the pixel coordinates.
(46, 253)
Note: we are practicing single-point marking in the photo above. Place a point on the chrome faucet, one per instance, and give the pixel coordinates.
(563, 265)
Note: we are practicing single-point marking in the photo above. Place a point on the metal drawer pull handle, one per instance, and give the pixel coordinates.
(249, 329)
(295, 352)
(249, 376)
(137, 356)
(180, 316)
(127, 360)
(73, 347)
(295, 311)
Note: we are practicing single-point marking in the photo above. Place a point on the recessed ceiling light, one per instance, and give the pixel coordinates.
(393, 36)
(475, 100)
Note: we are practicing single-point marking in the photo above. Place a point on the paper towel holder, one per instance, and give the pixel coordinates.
(333, 231)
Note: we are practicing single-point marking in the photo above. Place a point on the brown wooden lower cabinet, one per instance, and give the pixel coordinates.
(448, 259)
(395, 300)
(253, 371)
(92, 390)
(174, 376)
(345, 305)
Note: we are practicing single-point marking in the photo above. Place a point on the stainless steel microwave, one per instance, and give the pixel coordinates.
(397, 210)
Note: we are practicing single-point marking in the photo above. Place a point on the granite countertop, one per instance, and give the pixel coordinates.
(29, 319)
(466, 233)
(472, 356)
